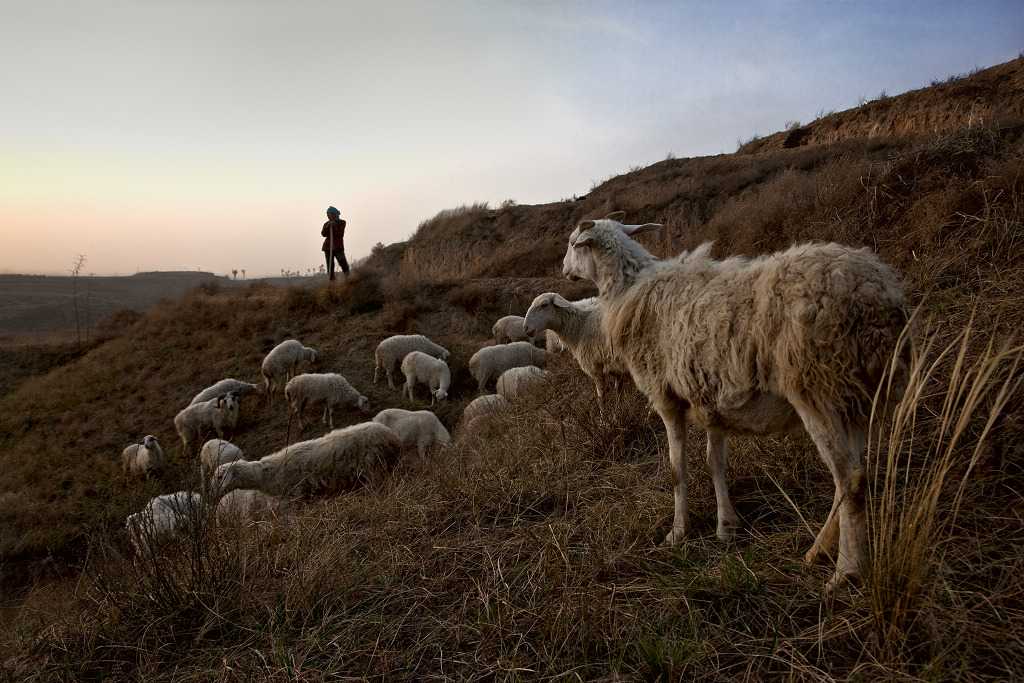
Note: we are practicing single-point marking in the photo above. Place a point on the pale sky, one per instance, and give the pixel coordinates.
(212, 135)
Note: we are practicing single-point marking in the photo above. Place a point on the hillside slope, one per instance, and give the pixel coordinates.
(550, 522)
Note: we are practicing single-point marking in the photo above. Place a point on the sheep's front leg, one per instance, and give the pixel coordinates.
(728, 520)
(675, 425)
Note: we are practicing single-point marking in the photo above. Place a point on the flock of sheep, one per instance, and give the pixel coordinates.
(802, 338)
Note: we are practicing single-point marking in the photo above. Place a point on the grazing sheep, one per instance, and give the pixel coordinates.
(419, 367)
(797, 338)
(332, 463)
(393, 350)
(414, 427)
(217, 414)
(489, 362)
(484, 406)
(552, 343)
(509, 329)
(244, 506)
(519, 382)
(577, 325)
(144, 459)
(235, 386)
(161, 519)
(215, 453)
(480, 413)
(280, 364)
(330, 388)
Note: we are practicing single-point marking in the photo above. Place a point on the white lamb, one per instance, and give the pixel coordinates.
(144, 459)
(332, 463)
(163, 517)
(393, 350)
(489, 362)
(215, 453)
(419, 367)
(415, 427)
(244, 506)
(799, 337)
(217, 414)
(577, 325)
(329, 388)
(235, 386)
(280, 364)
(521, 382)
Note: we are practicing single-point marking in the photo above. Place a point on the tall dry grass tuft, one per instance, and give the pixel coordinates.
(925, 464)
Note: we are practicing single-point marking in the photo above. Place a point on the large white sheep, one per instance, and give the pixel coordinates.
(329, 388)
(799, 337)
(245, 506)
(419, 428)
(215, 453)
(521, 382)
(489, 362)
(577, 325)
(390, 353)
(162, 518)
(235, 386)
(217, 414)
(335, 462)
(419, 367)
(143, 459)
(280, 364)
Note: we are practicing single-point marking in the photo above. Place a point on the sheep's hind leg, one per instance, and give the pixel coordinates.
(840, 449)
(728, 520)
(675, 424)
(826, 544)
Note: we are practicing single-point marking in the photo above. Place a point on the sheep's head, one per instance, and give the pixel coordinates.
(230, 476)
(150, 442)
(228, 403)
(543, 314)
(440, 395)
(601, 250)
(363, 404)
(445, 354)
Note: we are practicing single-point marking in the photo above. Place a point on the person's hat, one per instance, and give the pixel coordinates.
(332, 211)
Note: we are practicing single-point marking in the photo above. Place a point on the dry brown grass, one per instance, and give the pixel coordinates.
(530, 551)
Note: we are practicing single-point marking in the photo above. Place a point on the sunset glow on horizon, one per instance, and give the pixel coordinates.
(212, 136)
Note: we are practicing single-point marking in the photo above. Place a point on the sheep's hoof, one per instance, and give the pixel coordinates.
(674, 538)
(840, 579)
(818, 555)
(727, 534)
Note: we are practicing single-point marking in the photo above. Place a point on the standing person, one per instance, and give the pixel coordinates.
(334, 242)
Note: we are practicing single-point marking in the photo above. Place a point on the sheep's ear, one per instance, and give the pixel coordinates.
(637, 229)
(585, 225)
(560, 301)
(615, 216)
